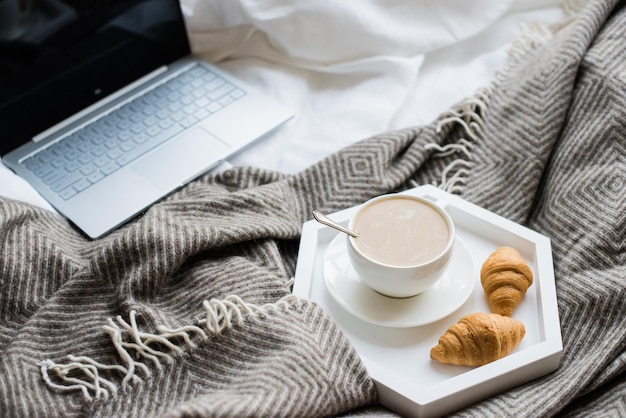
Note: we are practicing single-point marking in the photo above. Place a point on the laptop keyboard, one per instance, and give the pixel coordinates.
(88, 155)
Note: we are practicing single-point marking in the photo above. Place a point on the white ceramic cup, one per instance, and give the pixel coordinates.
(404, 246)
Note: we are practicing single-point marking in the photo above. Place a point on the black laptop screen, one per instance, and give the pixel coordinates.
(60, 56)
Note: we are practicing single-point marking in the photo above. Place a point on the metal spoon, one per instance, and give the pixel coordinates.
(323, 219)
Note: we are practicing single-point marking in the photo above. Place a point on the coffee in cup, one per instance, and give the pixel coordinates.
(404, 245)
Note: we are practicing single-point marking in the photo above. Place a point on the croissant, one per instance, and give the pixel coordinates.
(478, 339)
(505, 277)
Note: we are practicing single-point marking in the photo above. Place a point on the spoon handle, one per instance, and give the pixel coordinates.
(323, 219)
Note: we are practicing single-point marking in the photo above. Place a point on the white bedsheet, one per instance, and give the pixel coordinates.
(349, 70)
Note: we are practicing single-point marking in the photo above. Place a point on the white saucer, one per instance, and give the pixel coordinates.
(439, 301)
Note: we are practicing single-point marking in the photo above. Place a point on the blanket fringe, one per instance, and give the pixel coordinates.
(467, 114)
(536, 34)
(85, 374)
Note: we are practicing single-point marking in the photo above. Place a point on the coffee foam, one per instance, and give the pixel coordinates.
(401, 231)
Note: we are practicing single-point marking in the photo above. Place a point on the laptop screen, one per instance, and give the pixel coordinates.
(59, 56)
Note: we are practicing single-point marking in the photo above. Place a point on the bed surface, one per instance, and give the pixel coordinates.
(189, 309)
(349, 71)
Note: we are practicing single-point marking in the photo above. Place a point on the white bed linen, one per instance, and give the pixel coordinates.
(349, 70)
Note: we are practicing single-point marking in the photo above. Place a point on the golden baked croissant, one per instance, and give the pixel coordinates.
(478, 339)
(505, 277)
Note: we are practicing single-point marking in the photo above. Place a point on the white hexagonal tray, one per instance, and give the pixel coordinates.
(398, 359)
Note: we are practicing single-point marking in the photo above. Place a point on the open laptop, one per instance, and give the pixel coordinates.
(104, 111)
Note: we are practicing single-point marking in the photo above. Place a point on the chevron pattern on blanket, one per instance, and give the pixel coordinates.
(549, 152)
(577, 179)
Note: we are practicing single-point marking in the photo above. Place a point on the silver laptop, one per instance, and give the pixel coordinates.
(104, 111)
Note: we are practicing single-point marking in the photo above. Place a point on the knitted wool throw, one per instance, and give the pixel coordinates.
(187, 310)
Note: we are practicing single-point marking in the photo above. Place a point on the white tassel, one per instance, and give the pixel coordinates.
(468, 118)
(83, 373)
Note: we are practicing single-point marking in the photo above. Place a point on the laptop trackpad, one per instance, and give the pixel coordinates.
(181, 159)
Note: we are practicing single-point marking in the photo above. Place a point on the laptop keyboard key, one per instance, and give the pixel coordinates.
(33, 163)
(67, 193)
(66, 180)
(53, 176)
(110, 167)
(95, 177)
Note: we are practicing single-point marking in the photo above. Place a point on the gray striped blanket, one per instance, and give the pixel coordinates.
(187, 310)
